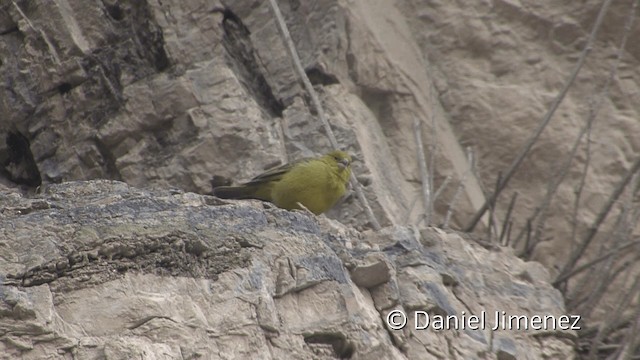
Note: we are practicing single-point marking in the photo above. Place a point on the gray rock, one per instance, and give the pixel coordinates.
(100, 269)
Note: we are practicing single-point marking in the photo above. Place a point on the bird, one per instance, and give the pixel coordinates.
(315, 183)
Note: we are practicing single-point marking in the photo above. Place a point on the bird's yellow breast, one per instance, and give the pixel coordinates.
(317, 185)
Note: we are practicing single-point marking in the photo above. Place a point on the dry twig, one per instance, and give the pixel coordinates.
(602, 215)
(441, 188)
(545, 121)
(597, 260)
(452, 203)
(492, 209)
(506, 223)
(593, 112)
(424, 172)
(607, 327)
(632, 340)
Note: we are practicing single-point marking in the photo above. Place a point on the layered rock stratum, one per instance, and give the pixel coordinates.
(102, 270)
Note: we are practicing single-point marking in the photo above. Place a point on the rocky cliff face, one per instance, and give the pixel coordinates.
(168, 93)
(186, 94)
(101, 270)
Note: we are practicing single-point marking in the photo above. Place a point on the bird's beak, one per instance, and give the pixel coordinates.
(343, 163)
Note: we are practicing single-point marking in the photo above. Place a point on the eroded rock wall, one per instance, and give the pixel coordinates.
(101, 270)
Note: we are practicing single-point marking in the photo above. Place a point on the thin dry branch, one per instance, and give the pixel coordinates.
(600, 277)
(453, 201)
(492, 209)
(619, 323)
(432, 162)
(435, 197)
(593, 112)
(632, 340)
(506, 223)
(424, 172)
(577, 254)
(585, 302)
(433, 201)
(609, 322)
(441, 188)
(456, 194)
(545, 121)
(524, 253)
(578, 192)
(597, 260)
(509, 227)
(554, 184)
(410, 210)
(284, 32)
(540, 213)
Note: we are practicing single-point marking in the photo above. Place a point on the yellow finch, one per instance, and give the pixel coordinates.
(316, 183)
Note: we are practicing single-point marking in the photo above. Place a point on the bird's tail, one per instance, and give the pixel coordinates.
(233, 192)
(241, 192)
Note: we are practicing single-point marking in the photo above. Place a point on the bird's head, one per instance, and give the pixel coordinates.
(341, 158)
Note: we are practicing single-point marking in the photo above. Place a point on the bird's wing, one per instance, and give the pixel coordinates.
(276, 173)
